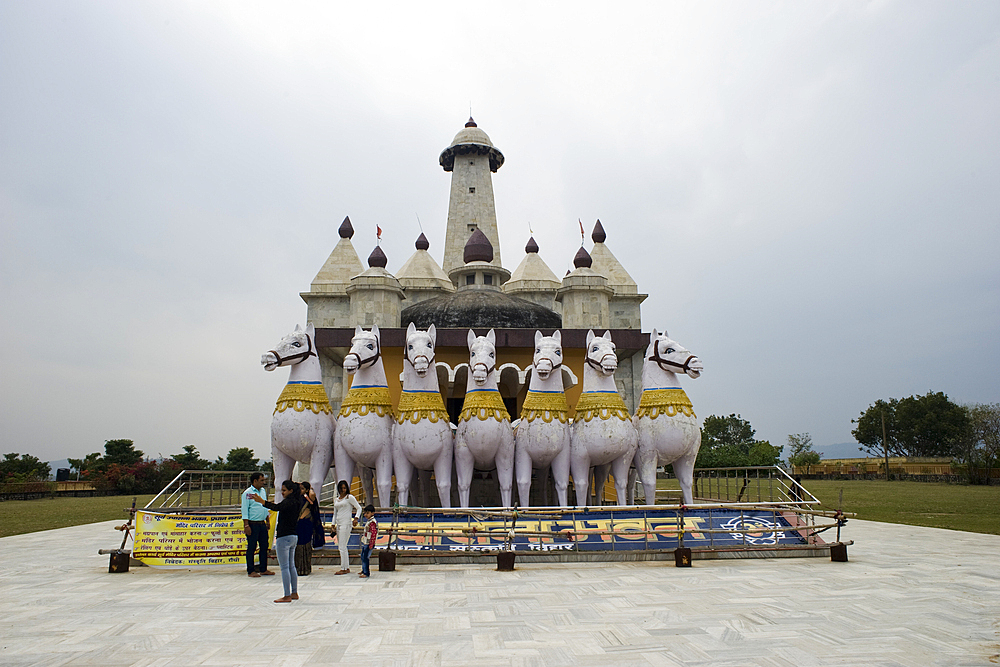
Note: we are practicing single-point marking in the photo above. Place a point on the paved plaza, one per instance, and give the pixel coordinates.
(908, 596)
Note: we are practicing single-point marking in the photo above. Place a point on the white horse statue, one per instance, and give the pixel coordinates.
(484, 439)
(303, 425)
(603, 434)
(667, 426)
(422, 436)
(364, 425)
(542, 438)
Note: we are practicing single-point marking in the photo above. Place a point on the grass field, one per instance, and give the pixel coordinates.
(972, 508)
(937, 505)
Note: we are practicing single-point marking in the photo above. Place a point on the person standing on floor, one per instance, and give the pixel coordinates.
(309, 520)
(368, 536)
(286, 536)
(343, 520)
(256, 524)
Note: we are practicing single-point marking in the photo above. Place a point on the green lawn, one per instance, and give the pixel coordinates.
(28, 516)
(937, 505)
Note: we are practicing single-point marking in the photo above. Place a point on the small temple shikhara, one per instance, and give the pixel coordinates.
(471, 289)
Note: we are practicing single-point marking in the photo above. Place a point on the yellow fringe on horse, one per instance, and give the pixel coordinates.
(669, 402)
(601, 404)
(302, 397)
(362, 400)
(417, 405)
(483, 405)
(545, 406)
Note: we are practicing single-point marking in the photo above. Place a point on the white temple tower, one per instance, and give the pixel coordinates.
(471, 158)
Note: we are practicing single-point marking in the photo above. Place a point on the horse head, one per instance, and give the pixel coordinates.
(601, 353)
(671, 356)
(548, 354)
(293, 349)
(482, 356)
(366, 349)
(420, 348)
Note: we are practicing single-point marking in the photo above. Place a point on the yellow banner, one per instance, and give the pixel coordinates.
(191, 540)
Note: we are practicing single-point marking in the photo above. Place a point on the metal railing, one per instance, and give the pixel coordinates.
(756, 484)
(202, 488)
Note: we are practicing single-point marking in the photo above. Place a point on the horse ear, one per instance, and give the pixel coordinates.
(492, 337)
(432, 332)
(471, 338)
(375, 331)
(558, 336)
(538, 336)
(607, 335)
(311, 331)
(298, 328)
(410, 329)
(652, 336)
(590, 337)
(358, 330)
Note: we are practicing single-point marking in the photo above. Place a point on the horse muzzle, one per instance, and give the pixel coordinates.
(479, 374)
(421, 364)
(695, 367)
(609, 363)
(351, 363)
(543, 367)
(269, 361)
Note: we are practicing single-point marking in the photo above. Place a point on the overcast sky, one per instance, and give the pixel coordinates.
(808, 192)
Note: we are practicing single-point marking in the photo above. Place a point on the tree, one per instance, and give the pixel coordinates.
(122, 452)
(191, 459)
(90, 461)
(800, 451)
(929, 425)
(240, 458)
(728, 442)
(23, 468)
(980, 450)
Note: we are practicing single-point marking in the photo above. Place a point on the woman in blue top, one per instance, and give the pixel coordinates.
(286, 536)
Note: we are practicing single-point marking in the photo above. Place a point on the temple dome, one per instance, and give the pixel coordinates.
(470, 139)
(480, 309)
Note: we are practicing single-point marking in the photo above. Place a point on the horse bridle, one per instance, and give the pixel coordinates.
(596, 365)
(660, 361)
(369, 360)
(301, 355)
(430, 361)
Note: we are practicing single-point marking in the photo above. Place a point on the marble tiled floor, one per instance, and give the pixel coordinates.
(908, 596)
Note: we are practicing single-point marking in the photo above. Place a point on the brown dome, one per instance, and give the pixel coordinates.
(478, 248)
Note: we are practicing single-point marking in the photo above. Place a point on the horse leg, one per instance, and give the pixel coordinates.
(505, 466)
(645, 465)
(321, 457)
(600, 480)
(580, 467)
(404, 475)
(383, 476)
(522, 470)
(464, 464)
(283, 464)
(632, 476)
(560, 473)
(366, 485)
(442, 476)
(684, 471)
(620, 468)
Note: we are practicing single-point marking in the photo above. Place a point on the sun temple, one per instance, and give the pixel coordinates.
(472, 289)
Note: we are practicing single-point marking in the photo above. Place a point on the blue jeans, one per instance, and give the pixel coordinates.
(285, 548)
(257, 539)
(366, 553)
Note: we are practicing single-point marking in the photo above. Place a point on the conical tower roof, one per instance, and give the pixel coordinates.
(420, 271)
(605, 263)
(532, 274)
(342, 264)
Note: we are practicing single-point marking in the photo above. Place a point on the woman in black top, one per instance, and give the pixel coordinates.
(285, 536)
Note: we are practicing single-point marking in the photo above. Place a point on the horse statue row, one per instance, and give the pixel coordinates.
(417, 436)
